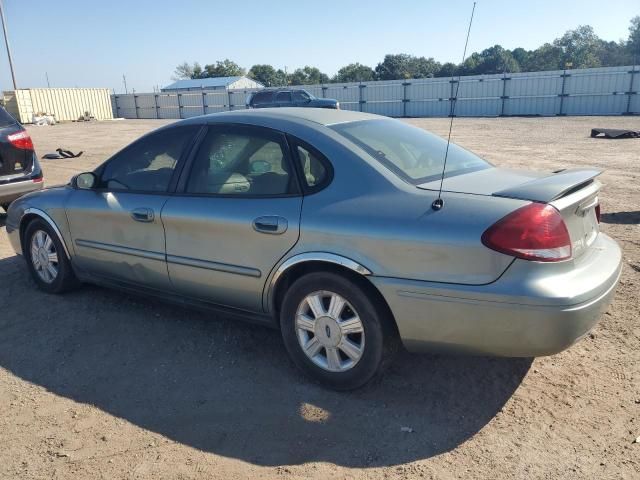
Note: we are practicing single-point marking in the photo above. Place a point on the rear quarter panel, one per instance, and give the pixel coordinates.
(371, 216)
(397, 234)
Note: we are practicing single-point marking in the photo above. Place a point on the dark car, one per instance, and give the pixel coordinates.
(20, 171)
(288, 97)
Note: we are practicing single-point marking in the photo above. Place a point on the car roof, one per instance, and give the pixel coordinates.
(322, 116)
(279, 89)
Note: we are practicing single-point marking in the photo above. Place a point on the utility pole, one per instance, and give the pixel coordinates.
(124, 80)
(46, 74)
(6, 42)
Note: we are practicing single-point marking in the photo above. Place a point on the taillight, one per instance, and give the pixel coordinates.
(533, 232)
(598, 213)
(21, 140)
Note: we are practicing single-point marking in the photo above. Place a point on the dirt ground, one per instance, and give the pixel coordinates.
(100, 384)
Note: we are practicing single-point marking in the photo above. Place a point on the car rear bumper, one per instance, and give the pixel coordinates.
(534, 309)
(10, 191)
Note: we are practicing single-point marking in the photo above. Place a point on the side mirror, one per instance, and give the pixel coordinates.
(85, 181)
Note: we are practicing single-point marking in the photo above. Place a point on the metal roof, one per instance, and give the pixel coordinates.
(202, 83)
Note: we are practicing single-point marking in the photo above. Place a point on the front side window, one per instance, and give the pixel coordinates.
(242, 163)
(283, 97)
(148, 164)
(412, 153)
(300, 96)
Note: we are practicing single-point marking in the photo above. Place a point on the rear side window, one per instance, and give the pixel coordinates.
(283, 97)
(148, 164)
(241, 162)
(5, 118)
(262, 98)
(315, 168)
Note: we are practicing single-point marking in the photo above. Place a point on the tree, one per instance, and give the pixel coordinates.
(267, 75)
(197, 70)
(308, 76)
(580, 47)
(491, 60)
(399, 66)
(613, 54)
(447, 69)
(521, 56)
(354, 72)
(546, 57)
(223, 68)
(184, 71)
(633, 44)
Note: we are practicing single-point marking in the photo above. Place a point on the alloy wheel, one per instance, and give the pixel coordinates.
(330, 331)
(44, 256)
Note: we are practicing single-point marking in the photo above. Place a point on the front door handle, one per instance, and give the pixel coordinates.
(271, 224)
(142, 215)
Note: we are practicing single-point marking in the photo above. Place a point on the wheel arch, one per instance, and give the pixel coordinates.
(31, 214)
(295, 267)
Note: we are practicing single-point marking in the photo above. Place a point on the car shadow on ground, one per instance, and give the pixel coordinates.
(3, 219)
(229, 388)
(621, 218)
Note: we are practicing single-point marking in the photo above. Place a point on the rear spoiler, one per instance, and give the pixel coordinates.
(547, 189)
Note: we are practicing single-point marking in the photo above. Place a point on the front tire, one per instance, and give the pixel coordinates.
(334, 331)
(46, 259)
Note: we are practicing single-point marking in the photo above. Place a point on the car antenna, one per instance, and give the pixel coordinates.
(438, 203)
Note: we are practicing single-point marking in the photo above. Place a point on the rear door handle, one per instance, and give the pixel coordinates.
(142, 215)
(271, 224)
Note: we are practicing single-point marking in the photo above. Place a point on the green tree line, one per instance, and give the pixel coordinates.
(579, 48)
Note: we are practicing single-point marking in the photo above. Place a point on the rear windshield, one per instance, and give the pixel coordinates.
(5, 118)
(412, 153)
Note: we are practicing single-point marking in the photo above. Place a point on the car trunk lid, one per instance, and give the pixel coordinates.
(14, 162)
(573, 192)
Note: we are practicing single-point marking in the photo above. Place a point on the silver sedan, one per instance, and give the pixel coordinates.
(329, 225)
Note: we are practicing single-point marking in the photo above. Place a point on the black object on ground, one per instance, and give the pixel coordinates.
(62, 154)
(614, 133)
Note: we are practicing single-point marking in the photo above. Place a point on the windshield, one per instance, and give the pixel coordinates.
(412, 153)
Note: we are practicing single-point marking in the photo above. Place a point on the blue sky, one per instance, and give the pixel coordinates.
(92, 43)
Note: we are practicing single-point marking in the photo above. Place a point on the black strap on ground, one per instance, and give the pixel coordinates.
(61, 154)
(614, 133)
(68, 153)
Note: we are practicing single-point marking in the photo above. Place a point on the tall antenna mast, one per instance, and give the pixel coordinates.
(438, 203)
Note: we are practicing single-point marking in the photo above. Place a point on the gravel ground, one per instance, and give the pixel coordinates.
(100, 384)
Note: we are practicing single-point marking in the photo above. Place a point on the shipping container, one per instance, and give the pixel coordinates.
(65, 104)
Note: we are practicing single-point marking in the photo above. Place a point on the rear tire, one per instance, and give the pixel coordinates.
(46, 259)
(335, 332)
